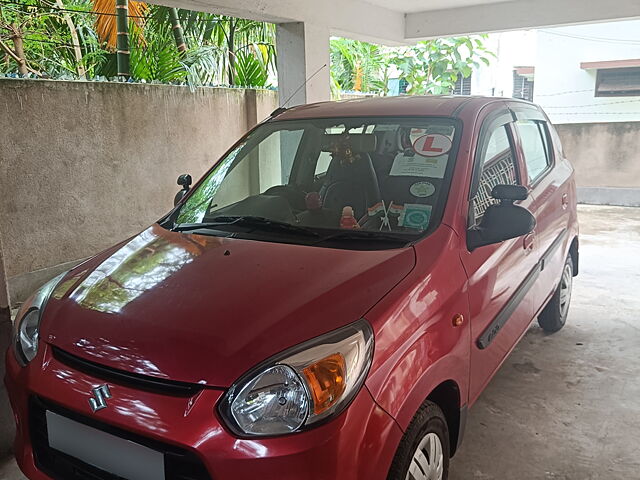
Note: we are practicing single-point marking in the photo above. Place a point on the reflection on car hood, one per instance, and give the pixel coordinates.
(206, 309)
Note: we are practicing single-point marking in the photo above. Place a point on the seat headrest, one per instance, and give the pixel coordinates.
(359, 142)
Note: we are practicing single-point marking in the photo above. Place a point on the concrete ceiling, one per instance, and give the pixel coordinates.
(405, 21)
(516, 14)
(413, 6)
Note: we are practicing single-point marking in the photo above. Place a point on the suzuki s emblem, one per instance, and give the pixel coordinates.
(99, 399)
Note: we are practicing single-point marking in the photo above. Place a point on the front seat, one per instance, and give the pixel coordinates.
(354, 184)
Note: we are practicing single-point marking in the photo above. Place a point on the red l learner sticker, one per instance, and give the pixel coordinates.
(432, 145)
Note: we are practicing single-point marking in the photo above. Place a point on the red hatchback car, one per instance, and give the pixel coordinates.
(325, 303)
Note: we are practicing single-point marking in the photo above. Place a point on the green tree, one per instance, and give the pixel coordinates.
(358, 66)
(43, 39)
(62, 38)
(158, 59)
(430, 67)
(221, 49)
(77, 52)
(109, 13)
(122, 37)
(433, 66)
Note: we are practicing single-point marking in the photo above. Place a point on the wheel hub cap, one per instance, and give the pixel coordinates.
(427, 462)
(565, 290)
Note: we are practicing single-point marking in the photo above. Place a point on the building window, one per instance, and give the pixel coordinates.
(523, 83)
(463, 86)
(403, 86)
(618, 82)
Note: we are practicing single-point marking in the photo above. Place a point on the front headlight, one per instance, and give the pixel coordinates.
(26, 329)
(302, 386)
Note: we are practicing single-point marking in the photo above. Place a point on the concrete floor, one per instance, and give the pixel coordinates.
(565, 406)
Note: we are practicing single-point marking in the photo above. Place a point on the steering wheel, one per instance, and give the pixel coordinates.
(291, 193)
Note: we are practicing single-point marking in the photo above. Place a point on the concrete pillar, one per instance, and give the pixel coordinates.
(6, 418)
(303, 52)
(251, 108)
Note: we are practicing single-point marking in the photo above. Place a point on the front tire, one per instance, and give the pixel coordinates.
(554, 315)
(423, 453)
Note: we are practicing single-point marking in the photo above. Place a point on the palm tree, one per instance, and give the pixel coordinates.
(216, 48)
(177, 30)
(112, 26)
(129, 37)
(249, 45)
(358, 66)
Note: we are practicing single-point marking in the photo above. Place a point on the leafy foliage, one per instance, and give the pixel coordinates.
(249, 70)
(46, 38)
(220, 49)
(105, 25)
(358, 66)
(429, 67)
(157, 58)
(433, 66)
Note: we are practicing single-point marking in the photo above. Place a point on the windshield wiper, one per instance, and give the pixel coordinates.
(260, 223)
(367, 235)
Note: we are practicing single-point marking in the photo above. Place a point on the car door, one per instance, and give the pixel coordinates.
(501, 304)
(547, 176)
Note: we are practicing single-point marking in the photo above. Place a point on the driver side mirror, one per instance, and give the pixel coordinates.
(184, 181)
(502, 221)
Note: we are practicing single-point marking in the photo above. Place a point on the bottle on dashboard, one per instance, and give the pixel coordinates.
(348, 220)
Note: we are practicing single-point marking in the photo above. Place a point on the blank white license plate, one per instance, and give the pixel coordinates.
(107, 452)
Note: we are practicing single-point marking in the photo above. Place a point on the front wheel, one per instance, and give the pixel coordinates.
(423, 453)
(554, 315)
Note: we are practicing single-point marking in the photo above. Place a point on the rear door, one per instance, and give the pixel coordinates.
(500, 297)
(547, 176)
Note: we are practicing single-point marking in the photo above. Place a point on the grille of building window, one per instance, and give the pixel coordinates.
(618, 82)
(463, 86)
(403, 86)
(522, 87)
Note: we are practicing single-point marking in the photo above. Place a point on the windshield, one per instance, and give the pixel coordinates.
(334, 178)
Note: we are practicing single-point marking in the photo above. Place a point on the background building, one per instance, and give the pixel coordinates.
(514, 51)
(587, 78)
(589, 73)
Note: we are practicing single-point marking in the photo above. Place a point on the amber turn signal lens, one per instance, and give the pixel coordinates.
(326, 380)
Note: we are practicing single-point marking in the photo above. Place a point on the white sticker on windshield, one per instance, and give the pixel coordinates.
(418, 166)
(432, 145)
(422, 189)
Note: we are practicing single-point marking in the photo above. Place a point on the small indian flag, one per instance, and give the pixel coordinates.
(377, 209)
(395, 209)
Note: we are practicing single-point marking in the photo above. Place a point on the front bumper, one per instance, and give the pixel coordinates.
(360, 443)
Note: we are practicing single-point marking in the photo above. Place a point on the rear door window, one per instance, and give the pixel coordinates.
(535, 146)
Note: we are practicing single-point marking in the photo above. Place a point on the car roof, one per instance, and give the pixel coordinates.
(399, 106)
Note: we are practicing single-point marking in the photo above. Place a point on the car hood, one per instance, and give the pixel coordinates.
(206, 309)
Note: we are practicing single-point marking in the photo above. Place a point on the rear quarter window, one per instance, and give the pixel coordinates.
(536, 147)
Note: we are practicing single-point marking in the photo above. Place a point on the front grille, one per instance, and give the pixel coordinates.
(180, 464)
(135, 380)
